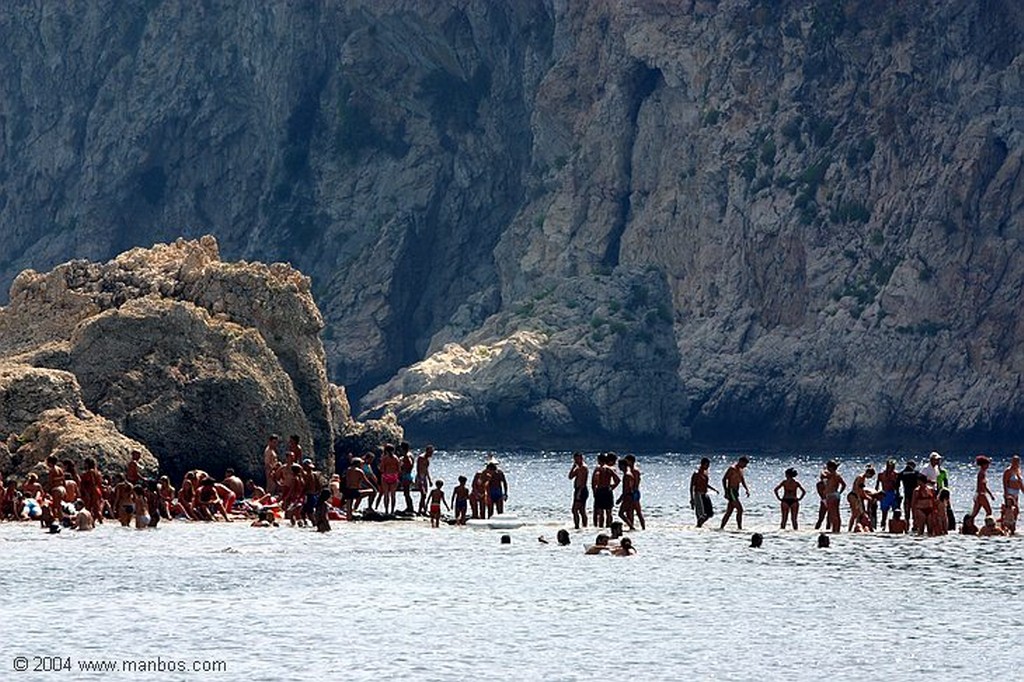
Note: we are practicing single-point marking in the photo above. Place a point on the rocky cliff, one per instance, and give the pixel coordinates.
(195, 358)
(732, 220)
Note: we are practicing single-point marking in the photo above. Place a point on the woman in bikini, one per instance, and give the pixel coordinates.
(390, 474)
(789, 493)
(982, 494)
(1012, 481)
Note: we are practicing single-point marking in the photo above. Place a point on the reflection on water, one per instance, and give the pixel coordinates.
(381, 601)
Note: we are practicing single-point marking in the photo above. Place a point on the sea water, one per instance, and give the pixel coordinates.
(404, 601)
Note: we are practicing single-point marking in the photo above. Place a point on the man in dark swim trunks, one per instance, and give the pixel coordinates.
(604, 480)
(731, 483)
(700, 484)
(579, 475)
(497, 488)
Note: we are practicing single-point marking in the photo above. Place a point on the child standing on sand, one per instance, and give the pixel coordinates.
(460, 500)
(435, 500)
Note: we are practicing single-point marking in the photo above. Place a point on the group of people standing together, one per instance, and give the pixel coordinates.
(609, 472)
(919, 500)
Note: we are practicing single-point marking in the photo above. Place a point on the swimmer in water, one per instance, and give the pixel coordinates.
(600, 545)
(625, 548)
(789, 493)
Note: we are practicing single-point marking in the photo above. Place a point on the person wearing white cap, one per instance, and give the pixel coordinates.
(931, 469)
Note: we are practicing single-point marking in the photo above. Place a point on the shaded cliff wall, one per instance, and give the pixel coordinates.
(831, 192)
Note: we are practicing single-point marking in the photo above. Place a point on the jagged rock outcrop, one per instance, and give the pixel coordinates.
(584, 357)
(199, 392)
(42, 414)
(197, 358)
(830, 192)
(75, 437)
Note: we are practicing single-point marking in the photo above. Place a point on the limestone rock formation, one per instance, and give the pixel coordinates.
(830, 192)
(197, 358)
(199, 392)
(587, 357)
(69, 436)
(42, 414)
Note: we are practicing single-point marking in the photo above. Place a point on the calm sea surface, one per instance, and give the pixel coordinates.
(404, 601)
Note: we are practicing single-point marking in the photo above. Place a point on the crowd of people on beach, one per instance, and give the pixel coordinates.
(78, 496)
(293, 490)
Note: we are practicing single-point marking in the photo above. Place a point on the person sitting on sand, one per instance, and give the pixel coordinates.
(234, 483)
(210, 502)
(967, 526)
(789, 493)
(897, 525)
(990, 529)
(435, 500)
(863, 523)
(355, 479)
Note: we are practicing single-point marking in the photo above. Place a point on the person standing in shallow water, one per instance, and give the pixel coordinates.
(700, 484)
(604, 480)
(579, 475)
(423, 477)
(789, 493)
(270, 463)
(834, 487)
(405, 474)
(497, 488)
(731, 483)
